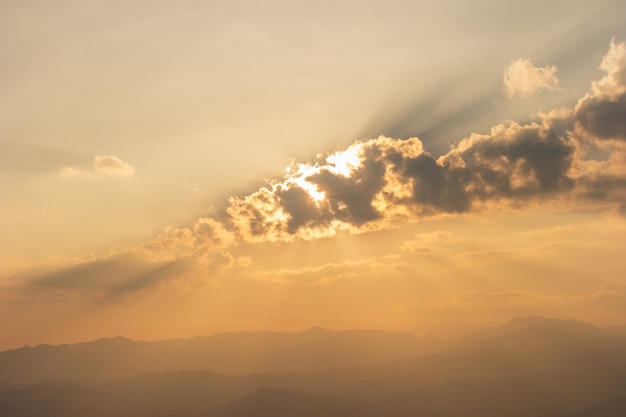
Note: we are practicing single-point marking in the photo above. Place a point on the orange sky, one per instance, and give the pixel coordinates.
(167, 178)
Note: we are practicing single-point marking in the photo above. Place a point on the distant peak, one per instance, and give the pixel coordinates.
(316, 329)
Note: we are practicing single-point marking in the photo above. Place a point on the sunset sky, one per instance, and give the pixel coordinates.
(180, 168)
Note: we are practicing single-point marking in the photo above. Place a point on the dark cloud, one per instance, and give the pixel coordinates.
(518, 161)
(602, 115)
(349, 199)
(300, 207)
(433, 185)
(603, 118)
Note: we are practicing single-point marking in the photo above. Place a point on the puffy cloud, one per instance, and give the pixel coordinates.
(311, 200)
(102, 165)
(601, 115)
(513, 160)
(522, 78)
(603, 118)
(212, 233)
(614, 64)
(397, 180)
(376, 183)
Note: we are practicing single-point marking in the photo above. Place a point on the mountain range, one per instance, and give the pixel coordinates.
(529, 367)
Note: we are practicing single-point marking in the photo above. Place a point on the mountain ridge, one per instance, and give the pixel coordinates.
(232, 352)
(525, 368)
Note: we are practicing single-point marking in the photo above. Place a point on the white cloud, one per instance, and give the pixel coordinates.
(102, 165)
(111, 165)
(522, 78)
(613, 84)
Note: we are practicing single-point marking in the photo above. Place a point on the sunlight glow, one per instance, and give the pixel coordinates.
(345, 162)
(342, 163)
(300, 179)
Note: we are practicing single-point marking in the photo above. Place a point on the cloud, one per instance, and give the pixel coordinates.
(323, 274)
(600, 115)
(72, 172)
(204, 235)
(522, 78)
(123, 273)
(131, 271)
(111, 165)
(503, 298)
(171, 243)
(212, 233)
(424, 242)
(614, 64)
(396, 180)
(102, 165)
(377, 183)
(181, 256)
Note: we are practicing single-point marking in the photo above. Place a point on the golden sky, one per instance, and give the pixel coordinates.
(172, 169)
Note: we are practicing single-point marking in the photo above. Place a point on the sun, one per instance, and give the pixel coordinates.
(342, 163)
(345, 162)
(299, 179)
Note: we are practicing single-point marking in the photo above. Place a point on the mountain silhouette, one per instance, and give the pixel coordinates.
(615, 407)
(528, 367)
(278, 402)
(315, 349)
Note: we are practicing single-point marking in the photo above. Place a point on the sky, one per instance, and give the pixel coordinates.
(172, 169)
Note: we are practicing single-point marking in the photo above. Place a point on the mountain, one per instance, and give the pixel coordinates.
(315, 349)
(524, 368)
(522, 346)
(572, 330)
(277, 402)
(165, 393)
(529, 367)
